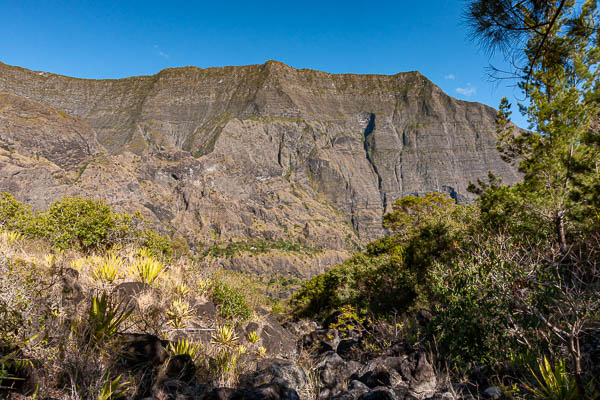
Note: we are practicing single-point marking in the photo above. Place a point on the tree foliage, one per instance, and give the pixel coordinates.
(516, 276)
(81, 223)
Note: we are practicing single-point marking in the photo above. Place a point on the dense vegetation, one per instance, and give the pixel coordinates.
(84, 224)
(256, 246)
(501, 292)
(513, 281)
(77, 278)
(507, 287)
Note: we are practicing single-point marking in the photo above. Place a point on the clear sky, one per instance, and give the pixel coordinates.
(113, 39)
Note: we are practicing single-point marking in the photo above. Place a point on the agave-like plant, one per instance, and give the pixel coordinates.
(184, 346)
(204, 285)
(105, 317)
(224, 336)
(182, 290)
(147, 270)
(113, 388)
(225, 362)
(261, 352)
(553, 383)
(179, 312)
(10, 237)
(253, 337)
(108, 270)
(12, 361)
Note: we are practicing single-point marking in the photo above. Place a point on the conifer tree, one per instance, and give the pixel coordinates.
(560, 79)
(555, 49)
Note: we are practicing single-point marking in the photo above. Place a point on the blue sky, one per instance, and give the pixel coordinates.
(113, 39)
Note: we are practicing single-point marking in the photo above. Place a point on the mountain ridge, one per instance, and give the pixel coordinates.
(258, 151)
(224, 67)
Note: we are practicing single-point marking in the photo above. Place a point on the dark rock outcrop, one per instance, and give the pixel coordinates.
(143, 350)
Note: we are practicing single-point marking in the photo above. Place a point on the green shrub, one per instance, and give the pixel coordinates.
(159, 245)
(352, 283)
(469, 305)
(13, 214)
(257, 246)
(231, 301)
(391, 275)
(84, 224)
(181, 247)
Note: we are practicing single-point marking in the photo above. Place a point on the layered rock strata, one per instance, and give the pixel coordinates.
(260, 151)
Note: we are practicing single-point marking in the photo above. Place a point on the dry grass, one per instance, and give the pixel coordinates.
(35, 281)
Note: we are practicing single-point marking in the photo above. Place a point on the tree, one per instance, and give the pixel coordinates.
(507, 25)
(555, 48)
(560, 80)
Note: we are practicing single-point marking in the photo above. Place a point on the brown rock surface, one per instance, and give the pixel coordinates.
(259, 151)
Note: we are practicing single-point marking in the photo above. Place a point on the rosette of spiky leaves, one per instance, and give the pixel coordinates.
(105, 317)
(10, 237)
(182, 290)
(147, 269)
(179, 312)
(113, 388)
(552, 383)
(261, 352)
(184, 346)
(225, 363)
(13, 361)
(108, 270)
(253, 337)
(224, 336)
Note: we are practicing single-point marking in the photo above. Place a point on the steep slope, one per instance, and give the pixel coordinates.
(262, 151)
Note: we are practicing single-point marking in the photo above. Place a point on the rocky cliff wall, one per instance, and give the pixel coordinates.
(260, 151)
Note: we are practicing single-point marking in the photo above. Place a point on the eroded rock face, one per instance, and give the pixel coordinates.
(262, 151)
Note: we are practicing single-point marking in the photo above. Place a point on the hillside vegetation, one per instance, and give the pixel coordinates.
(509, 287)
(93, 303)
(498, 298)
(484, 289)
(499, 295)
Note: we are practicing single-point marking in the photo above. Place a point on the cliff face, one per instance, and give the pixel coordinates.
(255, 151)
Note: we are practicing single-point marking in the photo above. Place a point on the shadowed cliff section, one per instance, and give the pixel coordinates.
(260, 151)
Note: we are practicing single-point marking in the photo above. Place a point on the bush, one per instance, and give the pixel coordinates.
(159, 245)
(85, 224)
(231, 301)
(352, 283)
(180, 246)
(12, 213)
(469, 305)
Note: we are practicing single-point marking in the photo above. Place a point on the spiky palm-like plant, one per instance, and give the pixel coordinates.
(552, 382)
